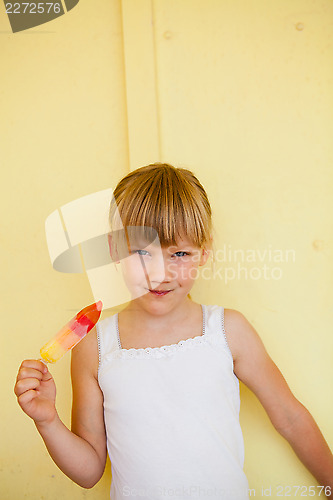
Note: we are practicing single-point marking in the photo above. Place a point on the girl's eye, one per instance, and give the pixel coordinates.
(181, 254)
(141, 252)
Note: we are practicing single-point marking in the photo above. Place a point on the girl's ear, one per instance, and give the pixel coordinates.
(206, 251)
(204, 256)
(113, 250)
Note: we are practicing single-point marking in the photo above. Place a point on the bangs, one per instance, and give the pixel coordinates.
(166, 200)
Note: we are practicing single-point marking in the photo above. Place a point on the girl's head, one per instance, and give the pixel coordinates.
(168, 202)
(168, 199)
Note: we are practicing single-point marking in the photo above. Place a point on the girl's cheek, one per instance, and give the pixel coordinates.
(192, 270)
(132, 270)
(179, 270)
(187, 271)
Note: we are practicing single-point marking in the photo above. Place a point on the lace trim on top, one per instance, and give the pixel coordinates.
(158, 352)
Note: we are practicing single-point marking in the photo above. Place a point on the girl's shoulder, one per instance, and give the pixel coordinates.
(239, 332)
(233, 317)
(85, 354)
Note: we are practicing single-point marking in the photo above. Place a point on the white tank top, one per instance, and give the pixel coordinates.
(172, 416)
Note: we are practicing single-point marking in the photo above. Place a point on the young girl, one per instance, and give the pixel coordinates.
(157, 384)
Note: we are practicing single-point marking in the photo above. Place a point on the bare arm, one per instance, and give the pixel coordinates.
(254, 367)
(80, 453)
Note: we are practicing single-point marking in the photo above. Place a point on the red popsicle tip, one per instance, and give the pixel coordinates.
(99, 305)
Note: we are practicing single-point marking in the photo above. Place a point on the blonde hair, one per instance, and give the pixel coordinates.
(171, 200)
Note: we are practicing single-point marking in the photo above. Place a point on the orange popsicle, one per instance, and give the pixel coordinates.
(71, 333)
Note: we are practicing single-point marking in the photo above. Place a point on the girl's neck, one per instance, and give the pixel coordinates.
(179, 315)
(139, 329)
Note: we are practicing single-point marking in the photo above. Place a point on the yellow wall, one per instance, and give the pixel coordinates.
(238, 91)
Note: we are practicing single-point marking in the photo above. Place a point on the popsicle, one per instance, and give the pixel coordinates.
(71, 333)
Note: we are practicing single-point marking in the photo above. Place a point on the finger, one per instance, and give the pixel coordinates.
(26, 398)
(34, 363)
(29, 373)
(47, 376)
(25, 385)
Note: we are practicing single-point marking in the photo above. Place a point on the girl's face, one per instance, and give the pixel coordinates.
(160, 277)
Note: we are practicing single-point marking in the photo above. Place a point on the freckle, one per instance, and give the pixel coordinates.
(299, 26)
(318, 245)
(167, 35)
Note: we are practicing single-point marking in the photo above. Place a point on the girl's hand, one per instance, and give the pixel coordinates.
(35, 390)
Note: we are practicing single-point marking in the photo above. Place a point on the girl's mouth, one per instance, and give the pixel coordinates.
(160, 293)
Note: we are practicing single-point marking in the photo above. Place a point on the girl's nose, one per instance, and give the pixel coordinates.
(161, 269)
(157, 269)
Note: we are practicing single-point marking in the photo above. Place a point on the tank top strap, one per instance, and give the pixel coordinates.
(107, 336)
(214, 322)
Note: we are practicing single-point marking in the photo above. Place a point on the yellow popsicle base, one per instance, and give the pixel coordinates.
(56, 348)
